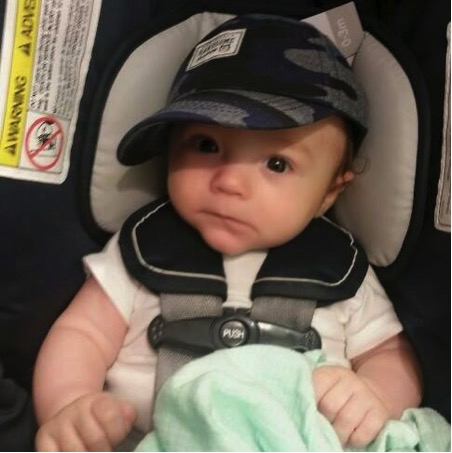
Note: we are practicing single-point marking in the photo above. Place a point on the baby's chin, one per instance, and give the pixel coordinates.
(230, 245)
(229, 249)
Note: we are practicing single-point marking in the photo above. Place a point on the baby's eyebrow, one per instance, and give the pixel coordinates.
(288, 145)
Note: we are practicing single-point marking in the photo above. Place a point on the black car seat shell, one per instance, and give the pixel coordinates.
(47, 228)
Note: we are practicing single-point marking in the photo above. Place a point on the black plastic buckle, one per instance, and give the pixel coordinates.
(204, 335)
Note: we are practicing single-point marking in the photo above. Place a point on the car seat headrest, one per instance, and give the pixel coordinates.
(377, 208)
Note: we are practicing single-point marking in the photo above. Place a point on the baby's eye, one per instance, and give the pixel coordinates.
(277, 164)
(206, 145)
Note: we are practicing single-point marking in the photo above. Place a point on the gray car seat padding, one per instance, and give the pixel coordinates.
(378, 209)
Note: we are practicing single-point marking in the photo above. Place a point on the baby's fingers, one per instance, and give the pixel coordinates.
(334, 399)
(115, 418)
(348, 419)
(358, 422)
(59, 438)
(94, 436)
(45, 442)
(367, 430)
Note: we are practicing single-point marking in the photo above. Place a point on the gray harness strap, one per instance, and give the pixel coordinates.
(176, 307)
(184, 310)
(295, 314)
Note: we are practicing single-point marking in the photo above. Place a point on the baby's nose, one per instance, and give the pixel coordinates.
(231, 179)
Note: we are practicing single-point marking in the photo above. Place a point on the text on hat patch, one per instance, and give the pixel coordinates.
(225, 44)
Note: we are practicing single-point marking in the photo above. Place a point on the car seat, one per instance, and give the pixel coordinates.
(67, 194)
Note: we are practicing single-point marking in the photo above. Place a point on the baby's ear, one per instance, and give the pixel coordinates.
(339, 184)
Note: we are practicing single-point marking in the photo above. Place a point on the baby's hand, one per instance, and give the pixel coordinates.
(348, 402)
(95, 422)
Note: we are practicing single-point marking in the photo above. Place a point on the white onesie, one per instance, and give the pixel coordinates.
(347, 328)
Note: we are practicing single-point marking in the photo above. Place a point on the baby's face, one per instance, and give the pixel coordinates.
(247, 190)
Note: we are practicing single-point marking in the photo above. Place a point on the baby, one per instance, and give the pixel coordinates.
(260, 130)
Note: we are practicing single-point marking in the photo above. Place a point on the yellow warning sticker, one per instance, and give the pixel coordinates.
(25, 38)
(44, 57)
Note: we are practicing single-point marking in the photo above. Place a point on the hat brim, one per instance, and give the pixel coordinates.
(229, 108)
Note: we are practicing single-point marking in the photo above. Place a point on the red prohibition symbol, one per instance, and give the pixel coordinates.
(44, 143)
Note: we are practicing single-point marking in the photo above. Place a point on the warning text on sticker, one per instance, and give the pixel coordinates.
(13, 129)
(28, 25)
(18, 94)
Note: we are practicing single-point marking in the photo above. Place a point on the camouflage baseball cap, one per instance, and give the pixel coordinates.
(255, 72)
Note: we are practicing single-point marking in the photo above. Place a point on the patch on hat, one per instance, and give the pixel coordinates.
(225, 44)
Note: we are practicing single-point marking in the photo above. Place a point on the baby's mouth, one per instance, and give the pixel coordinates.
(227, 219)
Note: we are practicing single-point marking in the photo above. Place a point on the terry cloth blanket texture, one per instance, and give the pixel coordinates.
(260, 398)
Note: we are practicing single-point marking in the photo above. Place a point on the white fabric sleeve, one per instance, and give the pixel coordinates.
(372, 318)
(108, 269)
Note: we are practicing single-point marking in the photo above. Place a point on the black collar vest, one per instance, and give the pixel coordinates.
(167, 255)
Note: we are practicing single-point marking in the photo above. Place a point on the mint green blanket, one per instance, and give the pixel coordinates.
(260, 398)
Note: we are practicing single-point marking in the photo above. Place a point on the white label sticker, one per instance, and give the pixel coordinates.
(225, 44)
(442, 210)
(46, 48)
(342, 26)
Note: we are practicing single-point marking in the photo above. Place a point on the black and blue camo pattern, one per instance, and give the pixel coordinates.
(285, 74)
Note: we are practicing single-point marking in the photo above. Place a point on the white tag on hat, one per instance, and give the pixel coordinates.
(343, 26)
(225, 44)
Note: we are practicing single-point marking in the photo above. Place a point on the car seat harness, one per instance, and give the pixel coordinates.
(320, 266)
